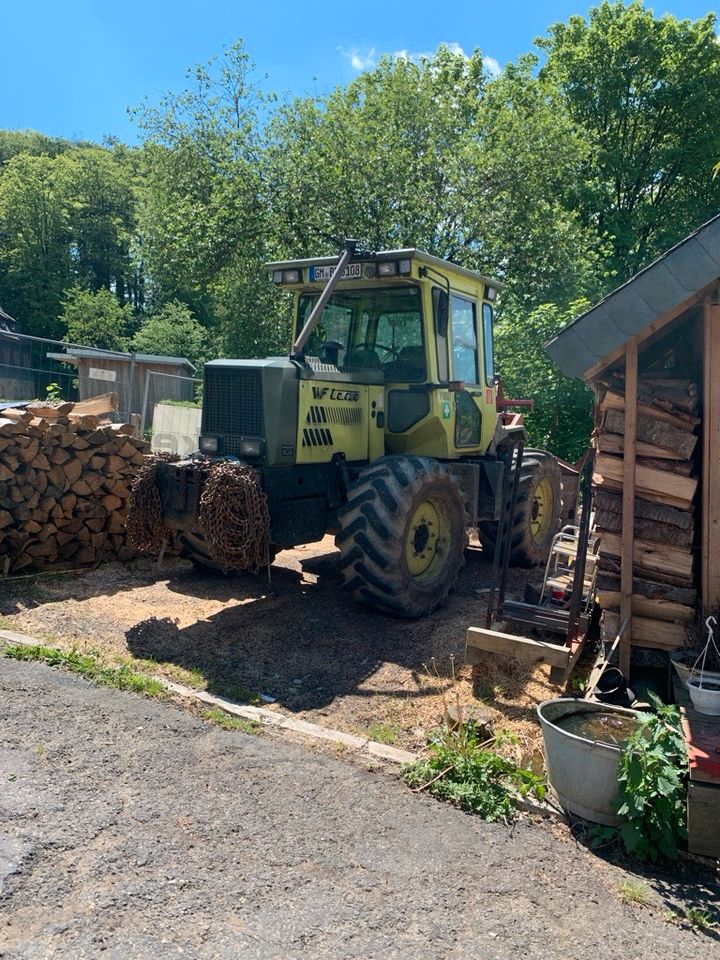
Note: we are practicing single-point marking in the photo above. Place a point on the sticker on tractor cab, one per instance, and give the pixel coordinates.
(445, 410)
(353, 271)
(489, 395)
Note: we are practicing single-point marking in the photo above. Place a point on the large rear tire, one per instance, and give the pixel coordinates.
(402, 535)
(538, 511)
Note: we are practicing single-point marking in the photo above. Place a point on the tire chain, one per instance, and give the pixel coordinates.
(146, 530)
(234, 517)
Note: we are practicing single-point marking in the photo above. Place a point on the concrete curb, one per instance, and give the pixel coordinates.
(269, 718)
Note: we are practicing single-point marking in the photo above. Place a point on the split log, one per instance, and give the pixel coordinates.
(606, 500)
(653, 432)
(655, 485)
(615, 401)
(656, 634)
(102, 404)
(646, 529)
(660, 557)
(664, 610)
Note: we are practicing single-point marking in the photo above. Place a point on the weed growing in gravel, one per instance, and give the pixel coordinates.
(228, 722)
(462, 769)
(695, 917)
(383, 732)
(631, 890)
(122, 677)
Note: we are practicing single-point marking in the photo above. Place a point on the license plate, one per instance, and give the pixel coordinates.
(353, 271)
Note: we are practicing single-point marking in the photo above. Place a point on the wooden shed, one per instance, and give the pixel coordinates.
(650, 352)
(136, 378)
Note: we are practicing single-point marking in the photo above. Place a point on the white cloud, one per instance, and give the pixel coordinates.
(456, 48)
(365, 61)
(359, 61)
(492, 66)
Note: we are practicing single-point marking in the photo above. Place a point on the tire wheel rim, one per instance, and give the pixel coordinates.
(542, 514)
(428, 534)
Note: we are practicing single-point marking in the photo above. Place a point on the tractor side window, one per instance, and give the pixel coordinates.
(487, 312)
(464, 341)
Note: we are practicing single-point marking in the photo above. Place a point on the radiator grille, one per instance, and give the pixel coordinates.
(233, 402)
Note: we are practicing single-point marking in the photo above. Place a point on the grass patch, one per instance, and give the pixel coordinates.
(695, 917)
(87, 665)
(383, 732)
(634, 891)
(229, 722)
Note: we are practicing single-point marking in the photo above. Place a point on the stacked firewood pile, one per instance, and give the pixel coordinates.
(666, 486)
(65, 479)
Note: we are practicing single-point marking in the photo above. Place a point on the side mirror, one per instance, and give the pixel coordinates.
(442, 311)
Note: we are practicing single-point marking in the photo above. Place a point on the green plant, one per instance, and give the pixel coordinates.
(53, 392)
(462, 769)
(229, 722)
(630, 890)
(652, 801)
(700, 918)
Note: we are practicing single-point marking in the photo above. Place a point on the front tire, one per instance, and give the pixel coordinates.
(402, 535)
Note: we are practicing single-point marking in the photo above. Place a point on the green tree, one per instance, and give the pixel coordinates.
(35, 266)
(645, 93)
(100, 185)
(203, 213)
(95, 319)
(521, 172)
(561, 420)
(174, 332)
(381, 159)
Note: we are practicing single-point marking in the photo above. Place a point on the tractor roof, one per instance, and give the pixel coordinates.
(406, 253)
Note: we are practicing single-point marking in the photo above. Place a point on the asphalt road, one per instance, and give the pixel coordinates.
(130, 829)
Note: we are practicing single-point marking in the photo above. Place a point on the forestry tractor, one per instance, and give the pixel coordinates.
(385, 426)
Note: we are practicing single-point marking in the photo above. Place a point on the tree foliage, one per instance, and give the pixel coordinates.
(645, 93)
(95, 319)
(174, 332)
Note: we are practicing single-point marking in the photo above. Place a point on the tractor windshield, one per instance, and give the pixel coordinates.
(375, 329)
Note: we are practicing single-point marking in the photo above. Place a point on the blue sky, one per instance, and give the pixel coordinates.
(72, 68)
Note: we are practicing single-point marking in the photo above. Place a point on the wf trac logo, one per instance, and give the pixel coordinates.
(321, 393)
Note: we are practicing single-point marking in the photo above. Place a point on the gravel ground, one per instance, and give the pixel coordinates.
(131, 829)
(302, 641)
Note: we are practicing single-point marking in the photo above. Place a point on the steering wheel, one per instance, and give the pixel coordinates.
(375, 346)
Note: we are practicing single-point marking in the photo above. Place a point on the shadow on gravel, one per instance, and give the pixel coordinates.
(301, 642)
(683, 887)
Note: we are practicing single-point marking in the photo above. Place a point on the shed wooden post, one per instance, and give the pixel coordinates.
(710, 532)
(628, 511)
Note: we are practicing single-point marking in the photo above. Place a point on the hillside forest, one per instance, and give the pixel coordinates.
(562, 176)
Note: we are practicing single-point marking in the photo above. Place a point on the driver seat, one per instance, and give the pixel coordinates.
(364, 358)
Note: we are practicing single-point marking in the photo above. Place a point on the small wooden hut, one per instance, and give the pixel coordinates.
(136, 378)
(650, 352)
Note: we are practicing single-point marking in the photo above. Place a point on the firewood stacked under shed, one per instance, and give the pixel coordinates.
(65, 478)
(664, 590)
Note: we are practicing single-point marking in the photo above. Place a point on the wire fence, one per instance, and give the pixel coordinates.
(36, 368)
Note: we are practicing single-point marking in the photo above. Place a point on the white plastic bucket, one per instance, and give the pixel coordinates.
(705, 694)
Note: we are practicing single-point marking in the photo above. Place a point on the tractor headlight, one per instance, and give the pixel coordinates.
(387, 268)
(250, 448)
(208, 444)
